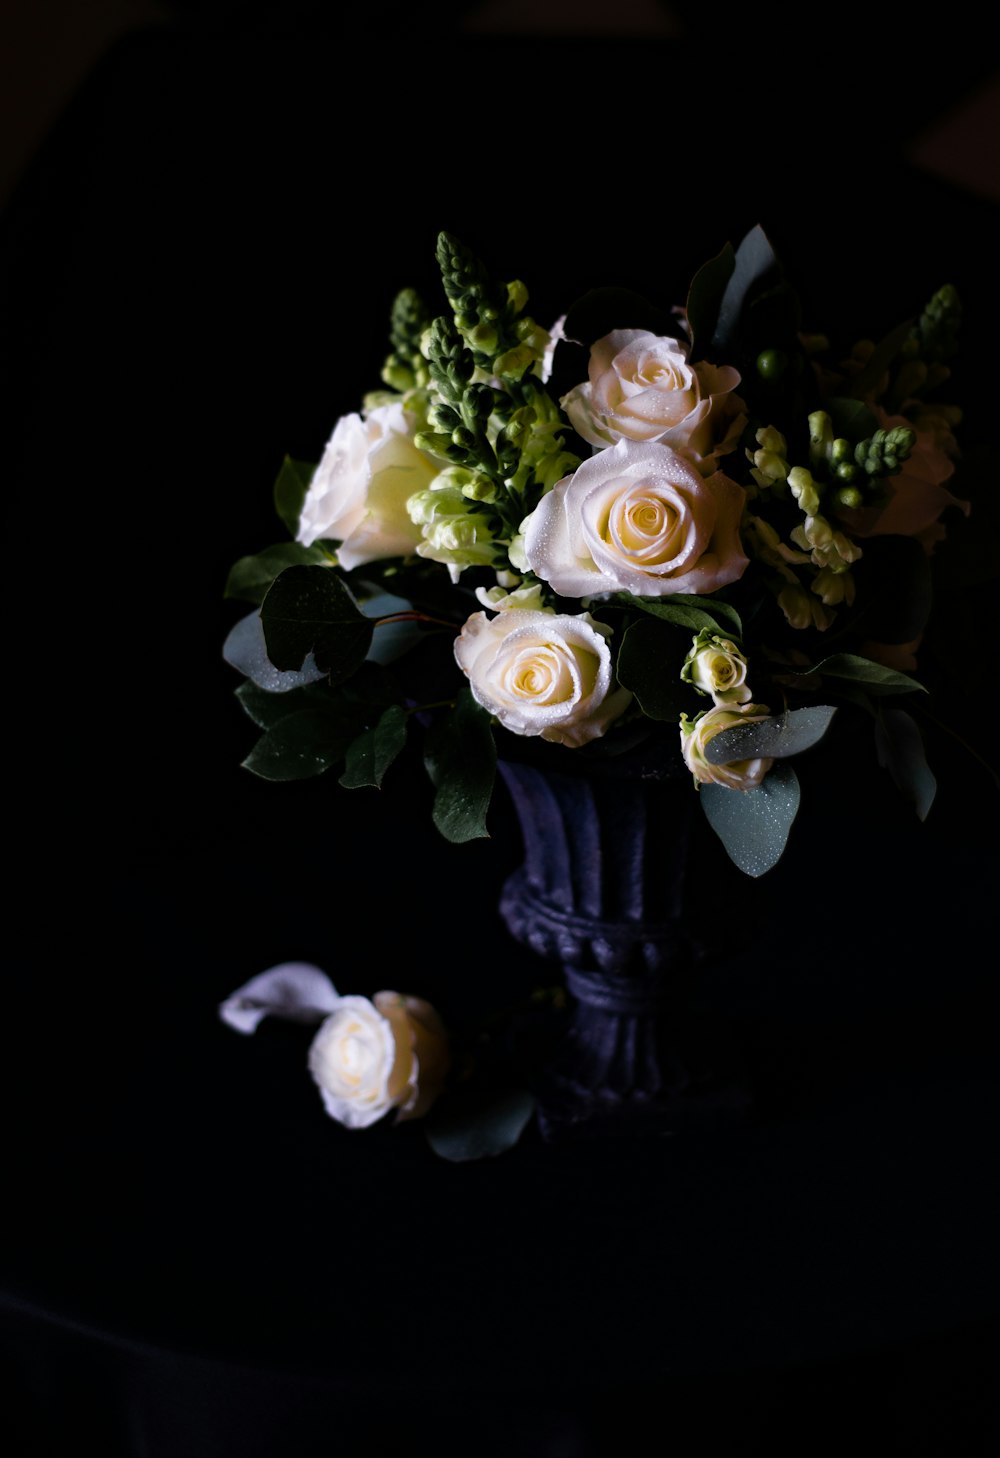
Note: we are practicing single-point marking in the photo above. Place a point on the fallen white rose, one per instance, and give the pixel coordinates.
(369, 1056)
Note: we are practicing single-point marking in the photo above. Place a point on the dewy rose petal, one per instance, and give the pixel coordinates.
(642, 387)
(541, 673)
(639, 519)
(358, 493)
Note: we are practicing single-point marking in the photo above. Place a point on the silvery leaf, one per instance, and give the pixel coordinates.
(246, 651)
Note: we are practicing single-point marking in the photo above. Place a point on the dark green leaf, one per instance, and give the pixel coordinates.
(460, 757)
(246, 650)
(775, 738)
(687, 611)
(479, 1123)
(310, 610)
(900, 749)
(885, 353)
(299, 746)
(373, 752)
(250, 577)
(705, 296)
(878, 678)
(267, 709)
(602, 310)
(649, 665)
(290, 491)
(851, 419)
(754, 261)
(754, 825)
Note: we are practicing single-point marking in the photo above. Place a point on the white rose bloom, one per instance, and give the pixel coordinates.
(716, 667)
(542, 673)
(639, 519)
(372, 1056)
(358, 494)
(740, 774)
(641, 387)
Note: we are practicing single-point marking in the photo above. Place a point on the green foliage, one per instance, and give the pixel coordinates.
(310, 610)
(371, 754)
(290, 491)
(777, 737)
(251, 577)
(460, 758)
(900, 748)
(478, 1122)
(754, 825)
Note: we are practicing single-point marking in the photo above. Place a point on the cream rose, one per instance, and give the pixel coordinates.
(541, 673)
(640, 519)
(372, 1056)
(740, 774)
(716, 667)
(358, 494)
(642, 387)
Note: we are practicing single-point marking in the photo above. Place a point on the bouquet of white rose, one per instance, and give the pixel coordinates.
(717, 533)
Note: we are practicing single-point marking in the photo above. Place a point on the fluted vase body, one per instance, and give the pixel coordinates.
(603, 893)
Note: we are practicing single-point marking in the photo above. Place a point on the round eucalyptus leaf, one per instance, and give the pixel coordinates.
(754, 825)
(246, 650)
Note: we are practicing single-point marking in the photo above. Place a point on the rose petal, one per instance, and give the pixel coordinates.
(298, 992)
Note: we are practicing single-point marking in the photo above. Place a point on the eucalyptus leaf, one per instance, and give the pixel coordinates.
(851, 419)
(478, 1123)
(310, 610)
(649, 664)
(390, 640)
(602, 310)
(754, 260)
(687, 610)
(371, 754)
(290, 491)
(877, 678)
(250, 577)
(246, 650)
(754, 825)
(900, 748)
(267, 709)
(460, 757)
(299, 746)
(777, 737)
(705, 296)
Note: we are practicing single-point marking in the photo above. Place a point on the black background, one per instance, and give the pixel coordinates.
(198, 271)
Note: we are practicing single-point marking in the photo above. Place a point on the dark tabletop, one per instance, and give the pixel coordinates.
(199, 264)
